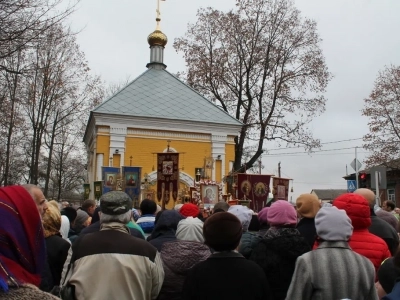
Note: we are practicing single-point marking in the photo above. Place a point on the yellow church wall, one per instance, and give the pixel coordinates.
(103, 146)
(116, 160)
(218, 170)
(229, 156)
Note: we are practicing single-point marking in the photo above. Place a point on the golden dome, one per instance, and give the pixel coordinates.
(157, 38)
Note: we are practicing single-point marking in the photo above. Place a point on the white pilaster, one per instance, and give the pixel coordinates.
(218, 140)
(99, 165)
(117, 141)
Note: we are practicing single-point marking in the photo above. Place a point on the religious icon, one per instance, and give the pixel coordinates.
(209, 194)
(168, 167)
(131, 179)
(110, 179)
(281, 192)
(260, 189)
(97, 188)
(246, 187)
(209, 163)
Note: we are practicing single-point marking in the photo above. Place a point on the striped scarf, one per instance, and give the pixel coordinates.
(22, 245)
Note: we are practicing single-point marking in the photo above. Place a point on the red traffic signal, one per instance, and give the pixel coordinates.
(363, 176)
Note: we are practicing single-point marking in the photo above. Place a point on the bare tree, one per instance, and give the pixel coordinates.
(24, 22)
(382, 107)
(262, 63)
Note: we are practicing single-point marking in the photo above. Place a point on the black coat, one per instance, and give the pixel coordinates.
(306, 227)
(166, 236)
(57, 252)
(276, 255)
(95, 227)
(226, 275)
(381, 228)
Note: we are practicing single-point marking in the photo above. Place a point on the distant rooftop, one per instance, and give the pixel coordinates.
(329, 194)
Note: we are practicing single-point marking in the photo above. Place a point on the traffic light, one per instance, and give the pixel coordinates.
(362, 180)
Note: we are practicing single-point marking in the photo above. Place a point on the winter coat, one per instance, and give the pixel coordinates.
(394, 294)
(95, 227)
(306, 227)
(386, 232)
(333, 271)
(165, 228)
(277, 254)
(176, 266)
(146, 222)
(26, 292)
(248, 242)
(362, 241)
(57, 252)
(226, 275)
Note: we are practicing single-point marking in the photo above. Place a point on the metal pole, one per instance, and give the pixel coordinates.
(356, 169)
(377, 181)
(279, 169)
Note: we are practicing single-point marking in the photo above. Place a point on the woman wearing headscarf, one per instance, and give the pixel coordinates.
(165, 226)
(57, 247)
(181, 255)
(277, 252)
(82, 221)
(23, 249)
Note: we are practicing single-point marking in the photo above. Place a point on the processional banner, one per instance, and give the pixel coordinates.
(280, 188)
(86, 191)
(110, 178)
(131, 181)
(98, 189)
(167, 176)
(254, 187)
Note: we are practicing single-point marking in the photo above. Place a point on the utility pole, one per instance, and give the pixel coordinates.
(356, 168)
(279, 169)
(259, 166)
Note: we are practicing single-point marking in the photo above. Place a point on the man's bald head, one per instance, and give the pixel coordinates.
(37, 196)
(368, 195)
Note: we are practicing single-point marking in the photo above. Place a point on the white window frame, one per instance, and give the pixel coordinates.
(391, 195)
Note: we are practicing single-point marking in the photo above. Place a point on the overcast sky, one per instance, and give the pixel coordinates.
(359, 37)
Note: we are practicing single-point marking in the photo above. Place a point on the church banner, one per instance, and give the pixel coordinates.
(254, 187)
(280, 188)
(167, 176)
(110, 177)
(86, 191)
(131, 178)
(98, 190)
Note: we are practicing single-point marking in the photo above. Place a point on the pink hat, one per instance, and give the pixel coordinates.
(282, 213)
(262, 215)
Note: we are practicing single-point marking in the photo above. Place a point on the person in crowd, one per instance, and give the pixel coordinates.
(254, 225)
(389, 218)
(134, 229)
(165, 228)
(282, 244)
(378, 226)
(70, 213)
(307, 206)
(55, 204)
(38, 197)
(389, 206)
(135, 214)
(262, 218)
(178, 207)
(333, 270)
(190, 246)
(148, 210)
(65, 228)
(248, 240)
(133, 266)
(362, 241)
(220, 206)
(64, 204)
(23, 260)
(89, 206)
(388, 278)
(225, 274)
(82, 221)
(57, 247)
(189, 210)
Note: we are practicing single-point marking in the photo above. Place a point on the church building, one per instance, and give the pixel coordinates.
(158, 113)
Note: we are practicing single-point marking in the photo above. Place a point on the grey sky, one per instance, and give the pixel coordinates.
(359, 37)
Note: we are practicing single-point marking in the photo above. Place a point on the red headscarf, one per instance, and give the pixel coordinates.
(22, 245)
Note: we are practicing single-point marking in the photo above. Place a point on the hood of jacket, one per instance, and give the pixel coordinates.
(166, 223)
(286, 241)
(190, 254)
(357, 209)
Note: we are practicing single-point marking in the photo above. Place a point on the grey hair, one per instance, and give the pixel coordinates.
(30, 188)
(124, 218)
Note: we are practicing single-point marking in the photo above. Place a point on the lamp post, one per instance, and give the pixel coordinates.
(198, 175)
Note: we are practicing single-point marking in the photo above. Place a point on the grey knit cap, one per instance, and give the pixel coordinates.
(333, 224)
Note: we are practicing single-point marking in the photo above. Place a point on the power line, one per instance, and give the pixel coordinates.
(337, 149)
(326, 143)
(312, 154)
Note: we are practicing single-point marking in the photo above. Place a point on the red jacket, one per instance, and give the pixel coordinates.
(362, 241)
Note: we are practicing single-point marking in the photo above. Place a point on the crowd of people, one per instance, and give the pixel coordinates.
(347, 249)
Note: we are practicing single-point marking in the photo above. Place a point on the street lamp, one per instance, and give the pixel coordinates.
(198, 175)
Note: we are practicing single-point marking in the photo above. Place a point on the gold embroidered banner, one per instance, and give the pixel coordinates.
(167, 176)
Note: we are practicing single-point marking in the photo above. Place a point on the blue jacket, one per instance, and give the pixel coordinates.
(146, 222)
(395, 293)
